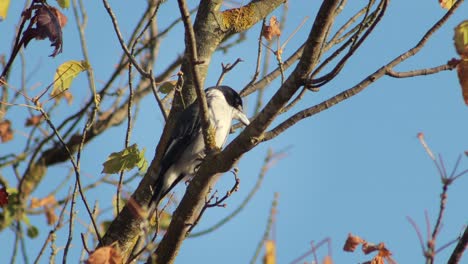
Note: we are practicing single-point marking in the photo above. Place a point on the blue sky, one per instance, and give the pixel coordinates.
(357, 167)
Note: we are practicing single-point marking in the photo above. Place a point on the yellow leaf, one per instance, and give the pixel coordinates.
(447, 4)
(4, 4)
(461, 39)
(65, 74)
(63, 3)
(270, 252)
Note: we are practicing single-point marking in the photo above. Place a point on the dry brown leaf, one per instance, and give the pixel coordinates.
(6, 133)
(462, 70)
(50, 215)
(34, 120)
(64, 95)
(62, 19)
(352, 242)
(105, 255)
(49, 201)
(272, 30)
(368, 248)
(47, 22)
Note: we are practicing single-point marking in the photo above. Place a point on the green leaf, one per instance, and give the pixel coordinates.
(4, 4)
(126, 159)
(32, 231)
(65, 74)
(63, 3)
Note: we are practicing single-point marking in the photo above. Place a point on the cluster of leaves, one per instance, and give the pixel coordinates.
(383, 254)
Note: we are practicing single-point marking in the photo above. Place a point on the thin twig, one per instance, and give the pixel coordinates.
(75, 167)
(266, 234)
(225, 69)
(218, 202)
(270, 159)
(192, 53)
(52, 232)
(121, 41)
(427, 71)
(71, 223)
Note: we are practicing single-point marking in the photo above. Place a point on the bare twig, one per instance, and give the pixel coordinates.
(121, 41)
(52, 232)
(218, 202)
(445, 67)
(70, 223)
(75, 167)
(225, 69)
(269, 161)
(266, 234)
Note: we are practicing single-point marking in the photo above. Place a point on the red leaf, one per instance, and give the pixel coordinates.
(3, 197)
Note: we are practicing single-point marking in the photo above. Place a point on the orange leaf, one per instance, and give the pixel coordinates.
(462, 70)
(327, 260)
(105, 255)
(352, 243)
(273, 30)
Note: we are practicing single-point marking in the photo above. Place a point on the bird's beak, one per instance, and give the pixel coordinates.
(239, 115)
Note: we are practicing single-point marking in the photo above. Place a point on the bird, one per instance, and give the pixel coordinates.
(186, 147)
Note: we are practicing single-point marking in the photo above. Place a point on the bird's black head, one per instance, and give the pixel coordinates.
(232, 97)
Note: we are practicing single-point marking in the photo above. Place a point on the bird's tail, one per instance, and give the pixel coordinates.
(158, 193)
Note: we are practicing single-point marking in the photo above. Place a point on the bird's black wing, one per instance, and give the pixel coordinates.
(185, 130)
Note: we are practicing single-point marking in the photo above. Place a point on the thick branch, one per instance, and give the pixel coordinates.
(459, 249)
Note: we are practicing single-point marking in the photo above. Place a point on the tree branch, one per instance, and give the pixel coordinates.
(363, 84)
(193, 200)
